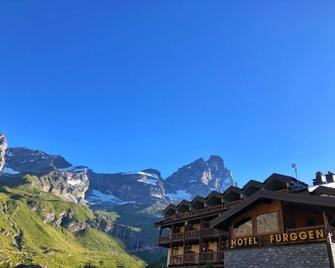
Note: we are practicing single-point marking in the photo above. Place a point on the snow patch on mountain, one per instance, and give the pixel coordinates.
(73, 169)
(148, 174)
(148, 181)
(179, 195)
(98, 196)
(74, 182)
(8, 170)
(160, 196)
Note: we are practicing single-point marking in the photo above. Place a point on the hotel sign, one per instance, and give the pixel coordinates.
(277, 239)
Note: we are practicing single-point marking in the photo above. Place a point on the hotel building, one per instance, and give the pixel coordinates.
(280, 222)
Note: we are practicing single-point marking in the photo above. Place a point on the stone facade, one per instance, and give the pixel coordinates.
(333, 251)
(311, 255)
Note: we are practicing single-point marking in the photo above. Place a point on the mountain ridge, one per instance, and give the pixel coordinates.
(139, 197)
(145, 186)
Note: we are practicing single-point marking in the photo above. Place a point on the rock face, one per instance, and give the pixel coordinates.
(51, 173)
(3, 148)
(145, 187)
(148, 188)
(199, 178)
(70, 185)
(24, 160)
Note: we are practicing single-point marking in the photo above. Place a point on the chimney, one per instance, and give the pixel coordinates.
(330, 177)
(319, 178)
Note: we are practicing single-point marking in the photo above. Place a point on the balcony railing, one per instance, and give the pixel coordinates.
(197, 212)
(191, 258)
(193, 234)
(201, 211)
(231, 204)
(210, 256)
(177, 236)
(211, 232)
(176, 259)
(214, 208)
(196, 258)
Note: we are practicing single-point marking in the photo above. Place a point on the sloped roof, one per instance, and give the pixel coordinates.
(272, 195)
(279, 178)
(324, 190)
(170, 207)
(214, 194)
(252, 183)
(184, 203)
(231, 190)
(198, 198)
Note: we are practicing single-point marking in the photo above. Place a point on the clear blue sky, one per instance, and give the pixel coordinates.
(127, 85)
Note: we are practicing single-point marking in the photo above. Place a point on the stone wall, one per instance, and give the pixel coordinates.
(311, 255)
(333, 251)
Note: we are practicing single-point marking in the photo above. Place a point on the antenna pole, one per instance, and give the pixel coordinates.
(294, 166)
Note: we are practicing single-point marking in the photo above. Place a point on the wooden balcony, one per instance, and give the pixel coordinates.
(207, 232)
(184, 215)
(196, 258)
(176, 260)
(210, 256)
(191, 258)
(193, 234)
(214, 208)
(197, 212)
(177, 236)
(231, 204)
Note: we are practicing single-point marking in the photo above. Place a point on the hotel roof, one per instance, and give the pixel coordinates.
(233, 193)
(302, 198)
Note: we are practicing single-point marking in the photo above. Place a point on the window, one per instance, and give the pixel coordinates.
(267, 223)
(243, 227)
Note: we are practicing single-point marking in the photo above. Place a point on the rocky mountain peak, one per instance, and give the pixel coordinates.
(200, 177)
(154, 172)
(24, 160)
(3, 148)
(215, 162)
(146, 187)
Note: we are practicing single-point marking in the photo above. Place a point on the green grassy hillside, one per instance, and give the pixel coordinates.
(26, 237)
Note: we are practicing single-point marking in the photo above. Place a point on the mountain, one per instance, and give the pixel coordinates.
(147, 187)
(136, 197)
(25, 160)
(144, 187)
(3, 148)
(42, 229)
(199, 178)
(55, 174)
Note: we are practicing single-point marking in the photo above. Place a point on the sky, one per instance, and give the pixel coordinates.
(129, 85)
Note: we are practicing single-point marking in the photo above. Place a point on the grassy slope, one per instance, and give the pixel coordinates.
(48, 245)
